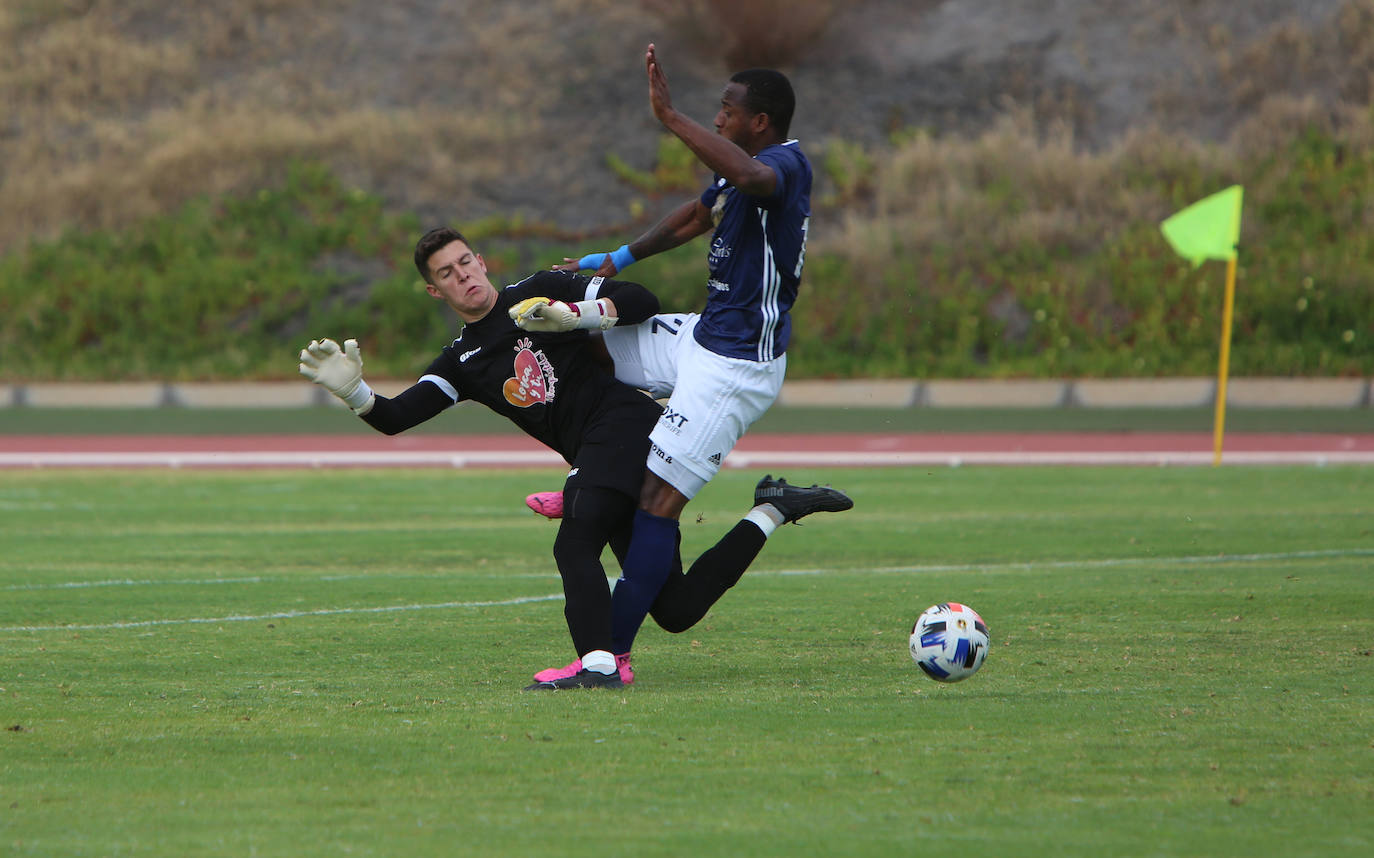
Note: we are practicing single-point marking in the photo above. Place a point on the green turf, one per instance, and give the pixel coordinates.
(336, 421)
(329, 663)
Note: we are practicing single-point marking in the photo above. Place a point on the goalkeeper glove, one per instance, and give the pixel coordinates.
(339, 372)
(541, 314)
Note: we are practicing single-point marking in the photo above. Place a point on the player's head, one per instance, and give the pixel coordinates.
(455, 273)
(768, 92)
(431, 242)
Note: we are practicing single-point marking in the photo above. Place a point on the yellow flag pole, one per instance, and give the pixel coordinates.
(1219, 420)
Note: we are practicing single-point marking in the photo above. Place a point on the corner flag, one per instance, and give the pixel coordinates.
(1210, 229)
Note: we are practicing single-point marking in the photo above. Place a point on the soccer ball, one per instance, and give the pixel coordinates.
(949, 642)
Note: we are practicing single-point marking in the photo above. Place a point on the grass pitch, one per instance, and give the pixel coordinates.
(330, 663)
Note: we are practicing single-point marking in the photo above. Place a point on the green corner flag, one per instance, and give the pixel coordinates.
(1208, 229)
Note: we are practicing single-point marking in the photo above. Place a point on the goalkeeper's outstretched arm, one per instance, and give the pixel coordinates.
(340, 371)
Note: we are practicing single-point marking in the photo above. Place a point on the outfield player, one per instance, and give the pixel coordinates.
(543, 376)
(727, 364)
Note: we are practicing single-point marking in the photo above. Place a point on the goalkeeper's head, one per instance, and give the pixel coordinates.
(455, 273)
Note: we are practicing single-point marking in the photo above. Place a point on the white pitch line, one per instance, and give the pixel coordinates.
(280, 615)
(134, 582)
(737, 459)
(1196, 559)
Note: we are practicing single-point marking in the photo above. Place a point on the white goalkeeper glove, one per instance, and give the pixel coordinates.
(339, 372)
(541, 314)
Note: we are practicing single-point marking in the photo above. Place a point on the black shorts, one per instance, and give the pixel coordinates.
(615, 445)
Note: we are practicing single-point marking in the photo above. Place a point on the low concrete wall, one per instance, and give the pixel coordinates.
(874, 393)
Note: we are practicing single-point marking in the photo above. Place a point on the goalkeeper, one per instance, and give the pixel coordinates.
(525, 353)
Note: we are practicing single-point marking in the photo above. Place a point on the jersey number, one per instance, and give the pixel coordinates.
(670, 325)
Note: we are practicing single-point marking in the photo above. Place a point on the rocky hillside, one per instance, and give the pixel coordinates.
(463, 109)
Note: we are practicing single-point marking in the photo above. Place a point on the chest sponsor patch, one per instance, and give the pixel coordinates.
(527, 386)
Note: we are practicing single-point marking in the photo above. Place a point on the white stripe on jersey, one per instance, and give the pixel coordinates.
(442, 384)
(768, 299)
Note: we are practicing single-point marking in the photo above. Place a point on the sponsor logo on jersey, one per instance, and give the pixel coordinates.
(658, 451)
(534, 381)
(463, 358)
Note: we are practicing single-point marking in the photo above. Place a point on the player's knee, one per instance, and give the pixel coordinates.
(672, 619)
(659, 497)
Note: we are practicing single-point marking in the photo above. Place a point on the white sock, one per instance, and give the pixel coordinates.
(767, 517)
(600, 661)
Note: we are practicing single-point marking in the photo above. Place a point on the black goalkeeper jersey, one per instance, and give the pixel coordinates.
(548, 384)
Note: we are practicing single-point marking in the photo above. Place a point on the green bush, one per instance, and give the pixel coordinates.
(1004, 256)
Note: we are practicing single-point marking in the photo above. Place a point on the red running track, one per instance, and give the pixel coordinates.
(754, 451)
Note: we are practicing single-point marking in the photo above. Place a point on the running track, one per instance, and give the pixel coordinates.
(754, 451)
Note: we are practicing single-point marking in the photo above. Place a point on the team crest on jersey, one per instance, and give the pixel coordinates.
(718, 206)
(534, 380)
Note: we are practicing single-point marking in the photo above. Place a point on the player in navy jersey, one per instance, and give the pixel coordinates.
(543, 375)
(725, 366)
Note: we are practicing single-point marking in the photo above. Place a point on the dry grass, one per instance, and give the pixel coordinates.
(1013, 186)
(117, 109)
(1009, 187)
(1021, 181)
(749, 34)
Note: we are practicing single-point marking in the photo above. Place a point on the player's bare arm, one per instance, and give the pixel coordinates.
(678, 227)
(712, 148)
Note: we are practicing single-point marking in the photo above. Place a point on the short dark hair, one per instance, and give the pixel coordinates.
(768, 91)
(430, 243)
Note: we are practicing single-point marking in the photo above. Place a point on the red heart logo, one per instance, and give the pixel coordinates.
(527, 387)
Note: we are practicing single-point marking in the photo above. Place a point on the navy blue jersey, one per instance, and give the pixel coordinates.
(755, 260)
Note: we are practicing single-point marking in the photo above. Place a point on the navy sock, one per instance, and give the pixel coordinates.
(649, 559)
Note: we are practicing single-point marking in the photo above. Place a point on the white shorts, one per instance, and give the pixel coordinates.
(712, 399)
(645, 355)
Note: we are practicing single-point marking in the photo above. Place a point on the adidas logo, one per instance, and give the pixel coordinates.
(715, 458)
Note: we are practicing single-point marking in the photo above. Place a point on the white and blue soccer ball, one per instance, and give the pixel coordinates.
(949, 642)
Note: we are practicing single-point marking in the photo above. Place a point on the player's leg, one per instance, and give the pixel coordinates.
(685, 599)
(592, 513)
(715, 401)
(595, 516)
(599, 501)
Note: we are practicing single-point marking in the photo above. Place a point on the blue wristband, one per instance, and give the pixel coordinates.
(622, 258)
(590, 262)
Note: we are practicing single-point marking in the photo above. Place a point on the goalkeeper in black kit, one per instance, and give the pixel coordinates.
(525, 352)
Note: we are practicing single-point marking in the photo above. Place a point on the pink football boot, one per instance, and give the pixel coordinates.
(547, 504)
(622, 664)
